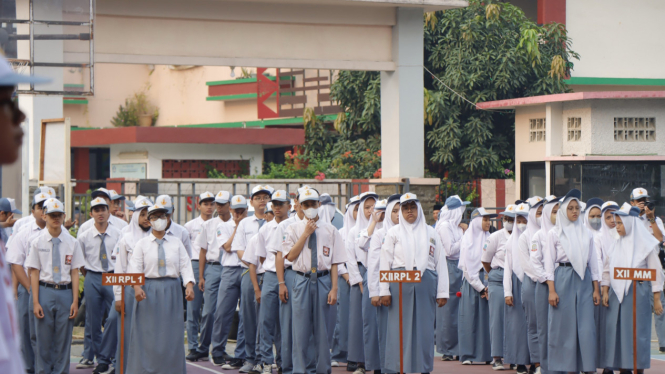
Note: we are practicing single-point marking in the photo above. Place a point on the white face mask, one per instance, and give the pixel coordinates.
(508, 226)
(159, 225)
(311, 213)
(521, 226)
(595, 223)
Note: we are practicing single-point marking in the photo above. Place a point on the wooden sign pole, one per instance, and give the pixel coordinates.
(635, 275)
(122, 280)
(400, 276)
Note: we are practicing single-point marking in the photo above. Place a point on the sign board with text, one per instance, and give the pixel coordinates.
(120, 279)
(399, 276)
(635, 274)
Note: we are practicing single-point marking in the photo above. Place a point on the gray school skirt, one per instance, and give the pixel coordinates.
(418, 316)
(473, 325)
(516, 339)
(156, 343)
(618, 329)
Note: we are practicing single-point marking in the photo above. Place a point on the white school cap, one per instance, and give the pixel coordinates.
(481, 212)
(535, 201)
(627, 210)
(222, 197)
(510, 211)
(157, 208)
(206, 196)
(53, 206)
(115, 196)
(97, 202)
(238, 202)
(101, 192)
(9, 205)
(639, 193)
(166, 202)
(262, 189)
(523, 209)
(408, 197)
(309, 194)
(280, 195)
(381, 205)
(609, 205)
(269, 208)
(551, 199)
(141, 202)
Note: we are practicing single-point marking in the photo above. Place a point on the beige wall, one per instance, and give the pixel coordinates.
(524, 150)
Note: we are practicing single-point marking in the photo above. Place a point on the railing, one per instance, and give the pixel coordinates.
(185, 193)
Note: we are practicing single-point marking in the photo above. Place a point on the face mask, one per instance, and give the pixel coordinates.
(553, 219)
(311, 213)
(508, 226)
(595, 223)
(521, 226)
(160, 224)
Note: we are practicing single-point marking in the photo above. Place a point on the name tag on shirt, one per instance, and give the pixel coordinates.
(326, 251)
(44, 249)
(68, 259)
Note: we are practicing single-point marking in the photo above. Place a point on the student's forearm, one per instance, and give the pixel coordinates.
(34, 281)
(297, 248)
(227, 245)
(595, 286)
(370, 229)
(240, 254)
(253, 277)
(21, 276)
(550, 285)
(656, 231)
(333, 276)
(75, 286)
(487, 267)
(279, 267)
(202, 263)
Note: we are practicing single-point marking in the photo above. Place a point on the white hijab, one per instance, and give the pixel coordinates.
(546, 223)
(134, 232)
(471, 247)
(444, 216)
(362, 222)
(586, 219)
(533, 224)
(413, 237)
(607, 235)
(387, 221)
(512, 243)
(327, 212)
(630, 251)
(574, 238)
(349, 221)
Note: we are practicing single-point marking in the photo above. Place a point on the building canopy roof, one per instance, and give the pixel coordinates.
(575, 96)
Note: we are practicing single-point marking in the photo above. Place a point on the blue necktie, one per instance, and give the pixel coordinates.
(314, 254)
(161, 256)
(261, 222)
(102, 253)
(55, 259)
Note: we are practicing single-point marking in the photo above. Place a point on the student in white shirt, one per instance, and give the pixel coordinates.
(450, 230)
(7, 211)
(206, 207)
(269, 328)
(373, 274)
(415, 246)
(572, 275)
(173, 228)
(97, 244)
(516, 339)
(138, 228)
(473, 325)
(341, 333)
(639, 197)
(209, 241)
(229, 290)
(116, 205)
(54, 260)
(246, 230)
(17, 253)
(158, 330)
(41, 194)
(635, 248)
(356, 260)
(493, 259)
(113, 220)
(315, 248)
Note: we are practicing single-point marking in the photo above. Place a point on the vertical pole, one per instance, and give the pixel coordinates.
(122, 328)
(401, 332)
(635, 326)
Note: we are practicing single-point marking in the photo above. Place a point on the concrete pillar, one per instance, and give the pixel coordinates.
(554, 129)
(402, 100)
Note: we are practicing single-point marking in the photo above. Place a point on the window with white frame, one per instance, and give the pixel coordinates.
(574, 129)
(537, 130)
(634, 129)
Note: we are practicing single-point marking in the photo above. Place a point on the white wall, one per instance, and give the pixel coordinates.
(524, 150)
(617, 38)
(159, 152)
(580, 109)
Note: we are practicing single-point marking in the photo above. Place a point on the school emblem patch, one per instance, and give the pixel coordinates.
(534, 247)
(284, 238)
(431, 250)
(485, 247)
(326, 251)
(219, 233)
(68, 260)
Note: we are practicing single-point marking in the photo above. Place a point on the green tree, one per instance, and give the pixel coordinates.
(487, 51)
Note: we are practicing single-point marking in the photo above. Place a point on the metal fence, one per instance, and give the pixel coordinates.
(185, 193)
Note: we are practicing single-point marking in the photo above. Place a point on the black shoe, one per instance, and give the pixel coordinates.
(377, 371)
(101, 368)
(447, 358)
(85, 364)
(227, 357)
(521, 369)
(662, 350)
(233, 364)
(218, 361)
(532, 369)
(351, 366)
(608, 371)
(196, 356)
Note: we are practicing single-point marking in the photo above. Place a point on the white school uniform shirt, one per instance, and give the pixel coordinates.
(553, 254)
(392, 257)
(330, 247)
(90, 242)
(538, 242)
(494, 250)
(374, 261)
(17, 251)
(277, 242)
(182, 234)
(121, 255)
(647, 224)
(145, 259)
(250, 256)
(208, 233)
(40, 256)
(350, 244)
(220, 234)
(19, 224)
(341, 268)
(247, 228)
(119, 223)
(10, 355)
(523, 252)
(194, 228)
(264, 239)
(451, 238)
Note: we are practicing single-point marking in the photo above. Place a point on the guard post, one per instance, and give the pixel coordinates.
(635, 275)
(128, 279)
(400, 276)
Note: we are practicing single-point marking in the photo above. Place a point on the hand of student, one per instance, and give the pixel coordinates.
(463, 226)
(332, 297)
(10, 221)
(189, 292)
(257, 295)
(606, 299)
(361, 287)
(441, 302)
(553, 299)
(202, 284)
(118, 306)
(37, 309)
(651, 214)
(310, 227)
(376, 215)
(376, 301)
(139, 294)
(120, 214)
(73, 310)
(484, 294)
(283, 293)
(386, 300)
(68, 224)
(596, 298)
(509, 301)
(657, 306)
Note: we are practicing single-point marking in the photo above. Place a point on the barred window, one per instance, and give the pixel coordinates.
(574, 129)
(634, 129)
(537, 130)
